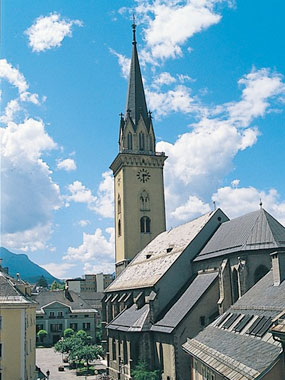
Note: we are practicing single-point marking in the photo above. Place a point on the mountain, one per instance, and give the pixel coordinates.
(20, 263)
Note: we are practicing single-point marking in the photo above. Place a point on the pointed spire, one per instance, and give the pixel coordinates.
(136, 103)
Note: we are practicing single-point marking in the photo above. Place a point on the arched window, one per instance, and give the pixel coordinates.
(141, 141)
(130, 141)
(145, 224)
(235, 285)
(144, 201)
(119, 228)
(119, 204)
(260, 271)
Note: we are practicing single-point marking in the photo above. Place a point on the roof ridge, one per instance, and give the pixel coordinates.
(267, 215)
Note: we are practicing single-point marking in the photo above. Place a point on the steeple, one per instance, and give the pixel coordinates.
(136, 103)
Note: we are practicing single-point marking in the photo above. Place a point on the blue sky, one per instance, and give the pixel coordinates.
(214, 79)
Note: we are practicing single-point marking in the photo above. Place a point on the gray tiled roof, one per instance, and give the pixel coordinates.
(256, 230)
(9, 292)
(73, 300)
(131, 319)
(150, 264)
(245, 356)
(185, 303)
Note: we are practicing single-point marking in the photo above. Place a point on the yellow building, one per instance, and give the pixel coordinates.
(17, 330)
(138, 174)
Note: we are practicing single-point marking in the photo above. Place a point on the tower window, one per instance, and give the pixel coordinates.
(145, 224)
(130, 141)
(141, 141)
(119, 204)
(119, 228)
(150, 144)
(144, 201)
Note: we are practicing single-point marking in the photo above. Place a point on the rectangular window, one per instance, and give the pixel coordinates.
(0, 350)
(51, 314)
(73, 326)
(60, 314)
(86, 326)
(0, 322)
(56, 327)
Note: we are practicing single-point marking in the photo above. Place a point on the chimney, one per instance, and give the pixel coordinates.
(278, 267)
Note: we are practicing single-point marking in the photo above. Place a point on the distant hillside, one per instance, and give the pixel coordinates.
(20, 263)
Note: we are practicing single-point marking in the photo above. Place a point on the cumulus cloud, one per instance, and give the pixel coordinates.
(58, 270)
(164, 78)
(84, 222)
(96, 251)
(238, 201)
(200, 158)
(68, 164)
(15, 78)
(169, 24)
(124, 63)
(102, 203)
(48, 32)
(192, 208)
(29, 195)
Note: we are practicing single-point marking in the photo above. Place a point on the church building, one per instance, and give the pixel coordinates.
(171, 284)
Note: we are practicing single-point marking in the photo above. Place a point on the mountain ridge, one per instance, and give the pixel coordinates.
(28, 270)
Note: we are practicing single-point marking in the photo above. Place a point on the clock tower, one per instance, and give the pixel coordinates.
(138, 174)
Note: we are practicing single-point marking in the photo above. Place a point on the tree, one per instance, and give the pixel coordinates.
(68, 333)
(141, 372)
(41, 335)
(83, 336)
(42, 282)
(56, 285)
(86, 353)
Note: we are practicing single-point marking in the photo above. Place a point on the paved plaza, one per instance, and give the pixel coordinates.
(48, 359)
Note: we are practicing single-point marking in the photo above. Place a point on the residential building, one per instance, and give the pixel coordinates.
(17, 329)
(138, 174)
(61, 309)
(246, 342)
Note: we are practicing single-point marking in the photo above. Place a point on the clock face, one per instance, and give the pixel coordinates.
(143, 175)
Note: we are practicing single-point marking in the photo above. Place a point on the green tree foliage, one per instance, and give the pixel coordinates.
(42, 282)
(99, 333)
(56, 286)
(68, 333)
(141, 372)
(77, 347)
(42, 334)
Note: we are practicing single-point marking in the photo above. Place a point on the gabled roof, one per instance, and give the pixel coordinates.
(149, 265)
(238, 353)
(185, 303)
(68, 299)
(136, 103)
(256, 230)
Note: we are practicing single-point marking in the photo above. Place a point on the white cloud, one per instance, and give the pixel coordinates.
(84, 222)
(29, 196)
(177, 100)
(68, 164)
(58, 270)
(124, 63)
(191, 209)
(199, 159)
(48, 32)
(238, 201)
(102, 203)
(171, 23)
(235, 183)
(96, 251)
(164, 78)
(16, 79)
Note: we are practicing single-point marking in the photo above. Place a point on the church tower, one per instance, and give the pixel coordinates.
(138, 174)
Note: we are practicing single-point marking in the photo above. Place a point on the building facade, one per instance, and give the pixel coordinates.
(61, 309)
(17, 329)
(138, 174)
